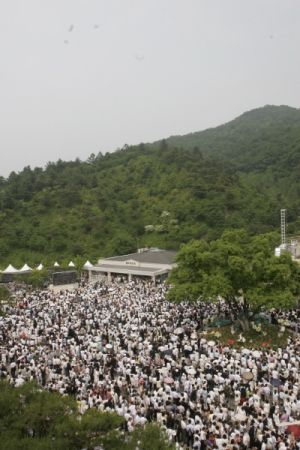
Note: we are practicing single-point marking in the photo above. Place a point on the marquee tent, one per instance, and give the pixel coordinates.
(25, 268)
(87, 265)
(10, 269)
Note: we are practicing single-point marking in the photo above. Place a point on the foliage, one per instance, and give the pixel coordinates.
(34, 419)
(153, 437)
(5, 297)
(235, 176)
(239, 268)
(4, 294)
(36, 278)
(256, 140)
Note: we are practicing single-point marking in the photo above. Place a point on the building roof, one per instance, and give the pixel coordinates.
(151, 256)
(134, 270)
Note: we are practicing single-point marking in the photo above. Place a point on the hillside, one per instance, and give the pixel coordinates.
(254, 141)
(194, 186)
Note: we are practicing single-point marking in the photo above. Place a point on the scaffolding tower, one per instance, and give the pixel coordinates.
(283, 227)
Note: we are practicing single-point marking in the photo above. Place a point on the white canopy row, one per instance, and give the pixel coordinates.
(25, 269)
(11, 269)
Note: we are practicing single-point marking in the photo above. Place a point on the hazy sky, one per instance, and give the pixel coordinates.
(82, 76)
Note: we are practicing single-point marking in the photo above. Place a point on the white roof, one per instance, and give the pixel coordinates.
(10, 269)
(71, 264)
(88, 264)
(25, 268)
(40, 267)
(56, 264)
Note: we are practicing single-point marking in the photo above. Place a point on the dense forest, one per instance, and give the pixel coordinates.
(237, 175)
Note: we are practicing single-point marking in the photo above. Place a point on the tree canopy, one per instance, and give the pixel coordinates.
(239, 268)
(34, 419)
(5, 296)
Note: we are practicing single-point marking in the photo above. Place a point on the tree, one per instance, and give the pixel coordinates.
(240, 269)
(37, 278)
(5, 297)
(34, 419)
(151, 437)
(122, 244)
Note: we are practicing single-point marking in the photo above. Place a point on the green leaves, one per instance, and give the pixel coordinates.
(33, 419)
(236, 266)
(151, 438)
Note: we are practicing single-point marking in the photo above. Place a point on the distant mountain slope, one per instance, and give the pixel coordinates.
(253, 141)
(237, 175)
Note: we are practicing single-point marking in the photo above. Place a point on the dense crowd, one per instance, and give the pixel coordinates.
(122, 347)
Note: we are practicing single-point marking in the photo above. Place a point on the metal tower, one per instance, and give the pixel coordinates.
(283, 226)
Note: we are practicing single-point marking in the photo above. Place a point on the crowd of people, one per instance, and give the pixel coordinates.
(123, 347)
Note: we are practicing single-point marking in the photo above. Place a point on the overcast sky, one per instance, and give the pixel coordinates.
(82, 76)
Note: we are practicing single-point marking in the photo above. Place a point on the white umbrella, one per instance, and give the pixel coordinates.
(247, 375)
(179, 330)
(56, 264)
(168, 380)
(240, 417)
(93, 344)
(190, 370)
(211, 343)
(246, 351)
(40, 267)
(19, 381)
(71, 264)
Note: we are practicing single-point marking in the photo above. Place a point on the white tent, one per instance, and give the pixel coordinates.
(88, 265)
(26, 268)
(10, 269)
(71, 264)
(56, 264)
(40, 267)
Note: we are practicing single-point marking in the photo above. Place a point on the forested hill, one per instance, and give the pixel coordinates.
(236, 175)
(254, 141)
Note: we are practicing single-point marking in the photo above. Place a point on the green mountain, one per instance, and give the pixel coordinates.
(254, 141)
(237, 175)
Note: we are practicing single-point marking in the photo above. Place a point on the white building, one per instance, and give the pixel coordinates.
(152, 263)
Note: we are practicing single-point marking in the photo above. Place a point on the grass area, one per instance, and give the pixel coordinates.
(270, 336)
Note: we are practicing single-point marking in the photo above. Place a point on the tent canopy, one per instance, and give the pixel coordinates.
(10, 269)
(25, 268)
(87, 265)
